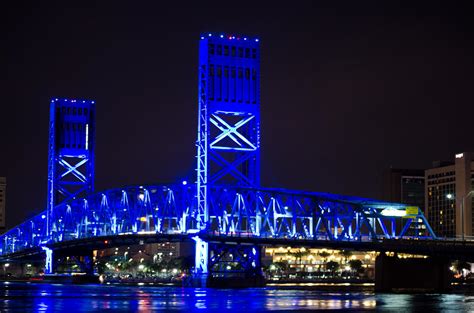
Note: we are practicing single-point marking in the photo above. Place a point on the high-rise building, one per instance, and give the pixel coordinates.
(405, 186)
(3, 186)
(449, 196)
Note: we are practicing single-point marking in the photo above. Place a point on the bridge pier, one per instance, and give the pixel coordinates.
(57, 263)
(411, 274)
(227, 265)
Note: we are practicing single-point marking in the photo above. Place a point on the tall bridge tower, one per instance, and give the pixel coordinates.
(71, 153)
(228, 143)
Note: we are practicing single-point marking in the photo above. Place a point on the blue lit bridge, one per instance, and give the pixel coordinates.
(226, 212)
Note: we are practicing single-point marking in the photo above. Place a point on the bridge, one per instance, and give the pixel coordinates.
(226, 212)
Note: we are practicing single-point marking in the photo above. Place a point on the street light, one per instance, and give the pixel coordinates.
(463, 199)
(5, 269)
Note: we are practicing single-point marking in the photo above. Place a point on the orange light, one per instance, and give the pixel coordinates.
(143, 219)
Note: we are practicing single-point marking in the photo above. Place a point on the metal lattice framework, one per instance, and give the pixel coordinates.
(71, 152)
(258, 213)
(228, 143)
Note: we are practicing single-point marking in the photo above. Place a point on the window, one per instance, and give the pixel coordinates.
(241, 52)
(211, 48)
(219, 50)
(233, 52)
(226, 50)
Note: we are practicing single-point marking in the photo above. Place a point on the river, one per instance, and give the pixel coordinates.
(41, 297)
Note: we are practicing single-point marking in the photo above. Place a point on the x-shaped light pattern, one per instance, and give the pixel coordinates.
(231, 132)
(73, 169)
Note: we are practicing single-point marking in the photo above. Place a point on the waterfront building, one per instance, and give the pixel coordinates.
(448, 196)
(405, 186)
(155, 252)
(315, 263)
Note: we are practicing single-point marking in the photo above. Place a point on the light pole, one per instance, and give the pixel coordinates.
(463, 199)
(5, 269)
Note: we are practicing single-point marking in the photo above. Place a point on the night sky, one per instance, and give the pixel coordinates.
(348, 89)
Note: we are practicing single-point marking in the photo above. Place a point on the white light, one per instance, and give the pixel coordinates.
(256, 40)
(210, 35)
(43, 216)
(185, 183)
(7, 264)
(459, 155)
(449, 196)
(141, 267)
(202, 37)
(87, 136)
(393, 212)
(222, 36)
(141, 196)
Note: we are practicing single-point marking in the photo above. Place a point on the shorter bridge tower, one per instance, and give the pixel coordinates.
(71, 154)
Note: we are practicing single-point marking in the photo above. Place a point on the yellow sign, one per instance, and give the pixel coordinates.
(411, 211)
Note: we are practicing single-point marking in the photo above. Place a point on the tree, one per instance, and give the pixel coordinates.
(324, 255)
(332, 266)
(346, 254)
(356, 266)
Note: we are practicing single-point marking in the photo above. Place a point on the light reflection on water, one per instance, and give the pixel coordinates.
(18, 297)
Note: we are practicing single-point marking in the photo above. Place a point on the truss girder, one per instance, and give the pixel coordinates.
(233, 212)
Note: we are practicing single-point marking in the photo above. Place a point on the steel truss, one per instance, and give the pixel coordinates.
(228, 141)
(259, 213)
(71, 152)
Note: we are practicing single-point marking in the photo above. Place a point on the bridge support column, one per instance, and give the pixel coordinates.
(416, 274)
(227, 265)
(50, 264)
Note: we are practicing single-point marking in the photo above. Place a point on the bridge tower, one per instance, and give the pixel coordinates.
(228, 141)
(71, 153)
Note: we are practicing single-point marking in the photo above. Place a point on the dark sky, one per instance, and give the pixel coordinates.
(348, 89)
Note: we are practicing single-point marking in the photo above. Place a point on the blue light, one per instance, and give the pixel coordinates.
(202, 37)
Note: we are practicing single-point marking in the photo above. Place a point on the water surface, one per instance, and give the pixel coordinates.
(28, 297)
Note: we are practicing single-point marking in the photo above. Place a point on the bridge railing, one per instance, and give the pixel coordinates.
(260, 213)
